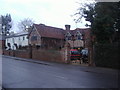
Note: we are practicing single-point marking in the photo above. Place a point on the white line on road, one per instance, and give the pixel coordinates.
(62, 77)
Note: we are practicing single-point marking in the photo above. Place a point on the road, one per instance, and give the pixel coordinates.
(24, 74)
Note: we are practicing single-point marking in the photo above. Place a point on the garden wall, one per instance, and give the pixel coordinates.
(48, 55)
(38, 54)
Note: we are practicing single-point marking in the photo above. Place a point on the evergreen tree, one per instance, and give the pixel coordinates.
(6, 24)
(103, 17)
(118, 17)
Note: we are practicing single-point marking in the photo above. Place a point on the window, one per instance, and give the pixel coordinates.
(69, 37)
(33, 38)
(9, 45)
(79, 37)
(23, 38)
(66, 38)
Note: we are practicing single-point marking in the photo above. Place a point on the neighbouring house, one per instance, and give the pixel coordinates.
(16, 41)
(78, 38)
(46, 36)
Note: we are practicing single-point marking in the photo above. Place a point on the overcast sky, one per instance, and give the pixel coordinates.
(54, 13)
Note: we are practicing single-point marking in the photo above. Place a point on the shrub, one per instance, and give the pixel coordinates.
(106, 55)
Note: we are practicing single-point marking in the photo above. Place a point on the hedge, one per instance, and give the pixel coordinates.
(106, 55)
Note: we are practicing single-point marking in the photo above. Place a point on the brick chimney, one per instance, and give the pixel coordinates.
(67, 27)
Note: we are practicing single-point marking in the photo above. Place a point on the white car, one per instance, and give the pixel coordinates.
(84, 52)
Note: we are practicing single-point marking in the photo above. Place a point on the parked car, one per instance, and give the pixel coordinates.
(75, 54)
(84, 53)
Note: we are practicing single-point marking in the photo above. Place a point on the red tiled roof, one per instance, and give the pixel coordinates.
(48, 31)
(58, 33)
(81, 30)
(85, 32)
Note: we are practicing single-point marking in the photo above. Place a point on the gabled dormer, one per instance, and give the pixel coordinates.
(68, 36)
(79, 35)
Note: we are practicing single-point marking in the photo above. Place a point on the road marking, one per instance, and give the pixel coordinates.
(60, 77)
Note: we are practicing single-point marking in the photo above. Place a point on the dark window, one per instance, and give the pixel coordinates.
(27, 37)
(23, 38)
(66, 38)
(9, 45)
(33, 38)
(79, 37)
(69, 37)
(15, 45)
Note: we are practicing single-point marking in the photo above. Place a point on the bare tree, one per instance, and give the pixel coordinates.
(25, 23)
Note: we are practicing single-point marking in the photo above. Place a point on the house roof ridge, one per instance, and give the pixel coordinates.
(49, 26)
(49, 31)
(81, 28)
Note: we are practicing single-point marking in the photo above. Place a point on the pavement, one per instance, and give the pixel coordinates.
(30, 60)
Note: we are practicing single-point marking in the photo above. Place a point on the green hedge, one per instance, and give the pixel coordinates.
(106, 55)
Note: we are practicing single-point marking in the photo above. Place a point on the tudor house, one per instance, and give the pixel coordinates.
(46, 36)
(78, 38)
(52, 37)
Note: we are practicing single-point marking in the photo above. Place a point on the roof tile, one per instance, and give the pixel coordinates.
(48, 31)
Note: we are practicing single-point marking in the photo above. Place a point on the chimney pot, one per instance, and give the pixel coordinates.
(67, 27)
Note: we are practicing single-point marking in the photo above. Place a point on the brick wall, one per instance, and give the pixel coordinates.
(6, 52)
(2, 43)
(39, 54)
(16, 53)
(22, 54)
(11, 53)
(48, 55)
(1, 51)
(87, 38)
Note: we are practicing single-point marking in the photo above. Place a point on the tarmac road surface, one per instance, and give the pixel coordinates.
(20, 73)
